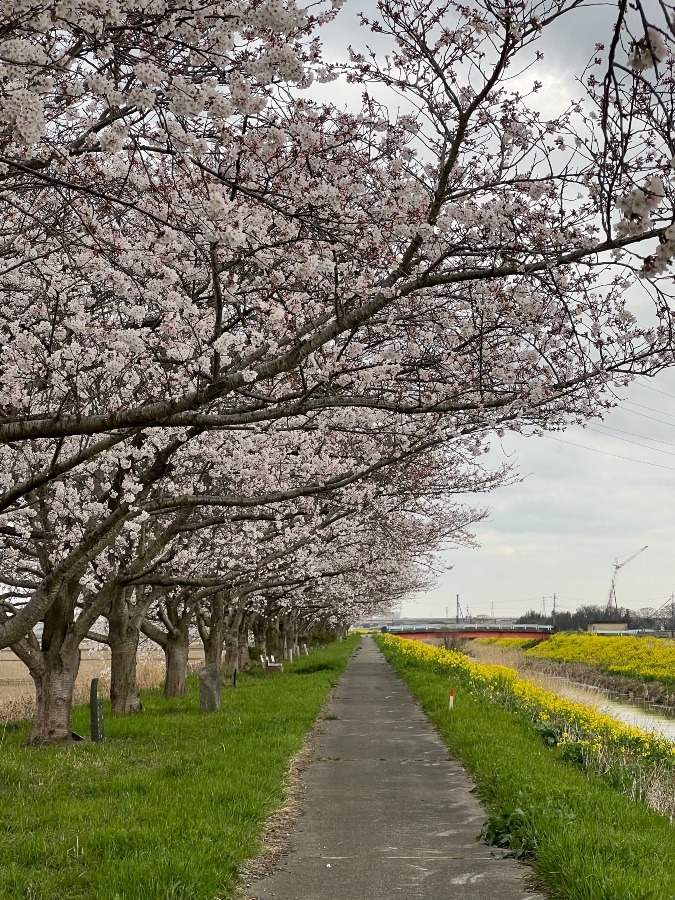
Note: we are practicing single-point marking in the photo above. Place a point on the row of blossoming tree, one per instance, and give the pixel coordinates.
(255, 344)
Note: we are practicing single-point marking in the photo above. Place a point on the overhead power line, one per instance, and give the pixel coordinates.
(650, 408)
(632, 434)
(635, 443)
(634, 412)
(607, 453)
(656, 390)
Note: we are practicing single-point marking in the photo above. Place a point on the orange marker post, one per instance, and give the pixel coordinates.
(451, 699)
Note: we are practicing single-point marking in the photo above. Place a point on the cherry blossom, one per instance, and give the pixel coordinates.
(255, 344)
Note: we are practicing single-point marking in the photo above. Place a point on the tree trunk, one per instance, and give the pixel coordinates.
(243, 655)
(124, 696)
(231, 650)
(259, 633)
(54, 668)
(232, 628)
(176, 660)
(283, 638)
(272, 640)
(292, 638)
(213, 646)
(123, 636)
(54, 685)
(214, 634)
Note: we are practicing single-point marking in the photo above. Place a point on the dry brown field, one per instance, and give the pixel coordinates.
(17, 695)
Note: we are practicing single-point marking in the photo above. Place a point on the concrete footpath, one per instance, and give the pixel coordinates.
(385, 812)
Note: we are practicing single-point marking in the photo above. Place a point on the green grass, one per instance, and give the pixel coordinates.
(585, 841)
(171, 805)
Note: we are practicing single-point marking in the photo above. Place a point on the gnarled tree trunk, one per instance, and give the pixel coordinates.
(259, 628)
(124, 695)
(123, 637)
(212, 630)
(54, 687)
(272, 636)
(232, 627)
(243, 655)
(53, 665)
(231, 651)
(283, 638)
(213, 648)
(176, 661)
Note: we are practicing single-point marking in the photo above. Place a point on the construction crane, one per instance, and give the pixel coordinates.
(611, 600)
(670, 606)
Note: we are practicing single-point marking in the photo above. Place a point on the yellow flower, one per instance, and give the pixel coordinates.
(647, 658)
(592, 731)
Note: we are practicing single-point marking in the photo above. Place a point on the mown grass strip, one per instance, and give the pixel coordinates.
(585, 840)
(171, 805)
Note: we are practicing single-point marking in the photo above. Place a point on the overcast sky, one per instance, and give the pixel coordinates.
(588, 495)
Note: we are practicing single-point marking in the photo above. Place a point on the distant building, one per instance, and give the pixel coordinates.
(608, 626)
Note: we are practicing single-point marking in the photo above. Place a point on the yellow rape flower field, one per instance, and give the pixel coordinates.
(511, 643)
(640, 764)
(644, 658)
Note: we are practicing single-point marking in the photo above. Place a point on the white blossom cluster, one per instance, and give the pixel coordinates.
(112, 139)
(648, 51)
(638, 205)
(186, 97)
(142, 98)
(274, 15)
(658, 263)
(101, 86)
(218, 205)
(20, 52)
(23, 110)
(278, 61)
(149, 73)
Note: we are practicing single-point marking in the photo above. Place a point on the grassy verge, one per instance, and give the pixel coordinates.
(171, 805)
(585, 840)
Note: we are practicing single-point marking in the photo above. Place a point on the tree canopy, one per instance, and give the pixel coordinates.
(254, 343)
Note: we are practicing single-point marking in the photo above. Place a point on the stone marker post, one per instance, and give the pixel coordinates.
(95, 713)
(210, 687)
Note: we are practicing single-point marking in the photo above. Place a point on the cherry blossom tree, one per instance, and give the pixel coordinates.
(227, 567)
(100, 542)
(222, 296)
(447, 238)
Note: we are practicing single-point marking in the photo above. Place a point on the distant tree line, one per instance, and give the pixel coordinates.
(586, 615)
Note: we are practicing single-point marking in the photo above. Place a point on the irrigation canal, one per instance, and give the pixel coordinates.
(631, 713)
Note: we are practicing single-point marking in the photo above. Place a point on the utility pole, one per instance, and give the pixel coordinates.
(492, 611)
(459, 610)
(543, 605)
(672, 615)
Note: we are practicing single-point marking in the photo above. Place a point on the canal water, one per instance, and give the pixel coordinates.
(633, 714)
(623, 710)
